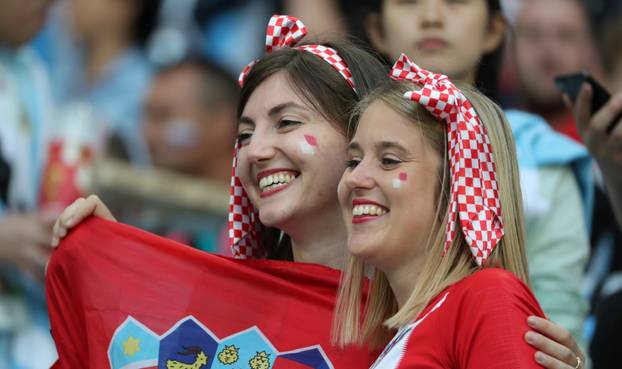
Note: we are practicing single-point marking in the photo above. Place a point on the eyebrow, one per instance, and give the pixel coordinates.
(275, 110)
(381, 146)
(353, 146)
(246, 120)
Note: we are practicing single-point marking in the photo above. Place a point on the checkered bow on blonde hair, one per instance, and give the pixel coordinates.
(474, 191)
(244, 227)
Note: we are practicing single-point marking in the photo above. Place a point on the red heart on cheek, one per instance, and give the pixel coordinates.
(311, 140)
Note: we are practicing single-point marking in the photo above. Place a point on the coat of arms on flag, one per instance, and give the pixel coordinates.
(190, 345)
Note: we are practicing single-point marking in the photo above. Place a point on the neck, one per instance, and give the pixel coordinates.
(403, 277)
(553, 116)
(100, 52)
(321, 240)
(469, 78)
(552, 110)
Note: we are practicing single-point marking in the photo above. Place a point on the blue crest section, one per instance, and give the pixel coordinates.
(250, 349)
(188, 343)
(312, 358)
(133, 345)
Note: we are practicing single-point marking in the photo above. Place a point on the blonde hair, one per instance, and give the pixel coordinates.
(381, 316)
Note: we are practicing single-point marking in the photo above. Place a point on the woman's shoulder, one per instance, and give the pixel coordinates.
(494, 291)
(491, 275)
(492, 282)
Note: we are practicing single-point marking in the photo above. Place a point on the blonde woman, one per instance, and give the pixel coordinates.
(426, 154)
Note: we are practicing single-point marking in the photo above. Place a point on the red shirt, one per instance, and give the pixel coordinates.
(477, 323)
(568, 127)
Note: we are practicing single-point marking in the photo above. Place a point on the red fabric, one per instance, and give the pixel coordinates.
(105, 272)
(480, 324)
(568, 127)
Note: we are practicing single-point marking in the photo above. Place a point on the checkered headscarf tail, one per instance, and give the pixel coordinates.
(244, 226)
(286, 31)
(474, 191)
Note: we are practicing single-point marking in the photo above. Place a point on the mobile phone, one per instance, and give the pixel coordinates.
(570, 84)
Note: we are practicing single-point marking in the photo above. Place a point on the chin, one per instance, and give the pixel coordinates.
(274, 217)
(363, 248)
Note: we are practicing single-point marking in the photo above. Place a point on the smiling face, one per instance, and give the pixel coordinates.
(444, 36)
(389, 191)
(291, 158)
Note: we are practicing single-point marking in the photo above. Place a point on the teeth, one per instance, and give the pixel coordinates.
(275, 180)
(358, 210)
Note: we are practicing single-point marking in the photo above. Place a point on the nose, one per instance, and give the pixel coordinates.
(359, 178)
(261, 148)
(431, 13)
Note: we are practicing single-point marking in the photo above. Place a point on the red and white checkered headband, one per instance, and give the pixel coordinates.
(286, 31)
(244, 226)
(474, 191)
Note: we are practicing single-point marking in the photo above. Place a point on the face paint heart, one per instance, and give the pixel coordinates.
(308, 147)
(397, 182)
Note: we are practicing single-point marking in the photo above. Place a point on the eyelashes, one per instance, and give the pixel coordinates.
(282, 125)
(243, 138)
(352, 163)
(386, 163)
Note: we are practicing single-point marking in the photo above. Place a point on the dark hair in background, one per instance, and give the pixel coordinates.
(488, 71)
(324, 88)
(609, 42)
(218, 87)
(146, 21)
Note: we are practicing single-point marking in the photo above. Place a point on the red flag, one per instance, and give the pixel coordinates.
(122, 298)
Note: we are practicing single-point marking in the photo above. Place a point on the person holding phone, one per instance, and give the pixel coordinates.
(599, 125)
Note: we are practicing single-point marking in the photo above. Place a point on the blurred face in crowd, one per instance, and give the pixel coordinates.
(21, 20)
(552, 38)
(88, 18)
(291, 158)
(182, 131)
(445, 36)
(389, 188)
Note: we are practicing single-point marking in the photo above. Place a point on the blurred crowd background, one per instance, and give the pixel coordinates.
(135, 101)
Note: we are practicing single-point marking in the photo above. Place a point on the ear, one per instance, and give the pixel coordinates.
(373, 28)
(495, 33)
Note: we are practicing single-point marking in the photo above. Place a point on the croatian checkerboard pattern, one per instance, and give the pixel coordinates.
(474, 191)
(286, 31)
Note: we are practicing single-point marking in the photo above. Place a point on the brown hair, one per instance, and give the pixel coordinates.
(381, 314)
(324, 88)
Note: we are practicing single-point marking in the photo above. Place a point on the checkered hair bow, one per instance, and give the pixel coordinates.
(474, 190)
(286, 31)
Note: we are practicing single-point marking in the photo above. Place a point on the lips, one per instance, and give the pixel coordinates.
(432, 44)
(364, 210)
(275, 180)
